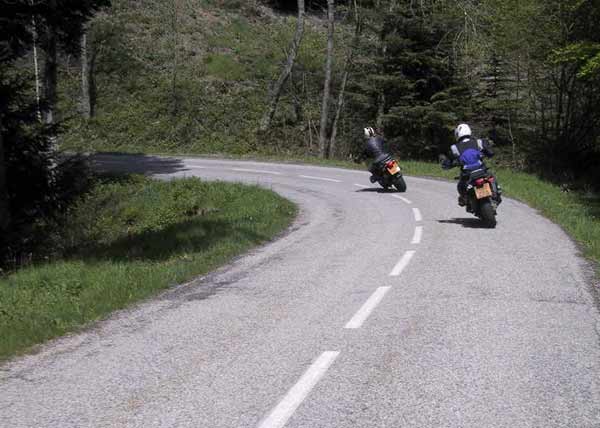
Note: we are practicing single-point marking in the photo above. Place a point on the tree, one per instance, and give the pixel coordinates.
(323, 149)
(60, 25)
(14, 40)
(88, 84)
(277, 87)
(28, 181)
(345, 75)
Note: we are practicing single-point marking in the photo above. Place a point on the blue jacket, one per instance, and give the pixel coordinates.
(469, 152)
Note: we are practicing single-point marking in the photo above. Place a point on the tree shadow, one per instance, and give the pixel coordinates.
(177, 240)
(107, 163)
(378, 190)
(470, 223)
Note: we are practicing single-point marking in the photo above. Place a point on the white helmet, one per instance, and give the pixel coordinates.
(369, 132)
(462, 130)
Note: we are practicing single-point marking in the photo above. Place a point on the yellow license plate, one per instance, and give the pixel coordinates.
(395, 169)
(484, 191)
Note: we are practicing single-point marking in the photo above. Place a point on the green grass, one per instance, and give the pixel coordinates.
(128, 239)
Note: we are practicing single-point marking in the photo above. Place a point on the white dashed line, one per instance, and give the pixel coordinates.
(195, 167)
(319, 178)
(418, 235)
(362, 186)
(363, 313)
(296, 395)
(256, 171)
(402, 263)
(402, 198)
(417, 214)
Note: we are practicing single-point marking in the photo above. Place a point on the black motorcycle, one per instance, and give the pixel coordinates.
(483, 193)
(389, 174)
(483, 197)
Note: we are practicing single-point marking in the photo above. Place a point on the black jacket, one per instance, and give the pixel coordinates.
(375, 149)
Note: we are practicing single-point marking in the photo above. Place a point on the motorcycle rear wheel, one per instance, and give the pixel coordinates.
(400, 184)
(488, 214)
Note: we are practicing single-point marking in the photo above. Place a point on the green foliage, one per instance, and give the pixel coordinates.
(585, 56)
(126, 240)
(224, 67)
(194, 79)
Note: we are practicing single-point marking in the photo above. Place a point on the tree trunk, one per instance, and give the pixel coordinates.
(340, 102)
(4, 203)
(50, 67)
(175, 25)
(88, 85)
(338, 111)
(327, 85)
(36, 67)
(275, 91)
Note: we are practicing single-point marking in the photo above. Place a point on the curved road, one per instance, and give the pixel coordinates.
(375, 310)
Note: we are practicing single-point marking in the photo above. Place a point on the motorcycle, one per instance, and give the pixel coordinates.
(483, 194)
(390, 174)
(482, 197)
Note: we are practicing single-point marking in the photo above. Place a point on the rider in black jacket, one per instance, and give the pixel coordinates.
(375, 150)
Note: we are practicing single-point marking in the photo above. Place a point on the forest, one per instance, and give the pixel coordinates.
(287, 78)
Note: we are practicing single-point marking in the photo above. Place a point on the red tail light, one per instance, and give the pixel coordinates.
(390, 164)
(479, 182)
(490, 179)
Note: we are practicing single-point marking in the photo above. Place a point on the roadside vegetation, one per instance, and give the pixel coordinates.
(126, 239)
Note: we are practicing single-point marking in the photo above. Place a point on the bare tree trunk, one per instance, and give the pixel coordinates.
(50, 69)
(275, 91)
(327, 85)
(512, 142)
(36, 67)
(4, 204)
(88, 85)
(338, 111)
(175, 23)
(380, 109)
(340, 102)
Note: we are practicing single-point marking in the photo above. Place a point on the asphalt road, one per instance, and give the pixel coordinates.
(374, 310)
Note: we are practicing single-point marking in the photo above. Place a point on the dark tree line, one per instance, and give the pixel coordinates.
(524, 73)
(34, 182)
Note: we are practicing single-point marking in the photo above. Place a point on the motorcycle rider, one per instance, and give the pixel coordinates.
(468, 153)
(374, 149)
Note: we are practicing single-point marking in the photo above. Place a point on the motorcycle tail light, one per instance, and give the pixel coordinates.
(479, 182)
(490, 179)
(390, 164)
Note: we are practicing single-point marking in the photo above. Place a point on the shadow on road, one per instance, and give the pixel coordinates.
(135, 164)
(471, 223)
(378, 190)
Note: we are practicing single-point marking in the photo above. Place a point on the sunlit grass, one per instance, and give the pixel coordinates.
(127, 240)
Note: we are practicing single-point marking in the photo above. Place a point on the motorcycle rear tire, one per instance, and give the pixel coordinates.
(400, 184)
(488, 215)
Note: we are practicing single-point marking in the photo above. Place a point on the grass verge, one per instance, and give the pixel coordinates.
(127, 239)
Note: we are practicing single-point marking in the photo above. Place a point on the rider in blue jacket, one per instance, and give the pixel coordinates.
(468, 153)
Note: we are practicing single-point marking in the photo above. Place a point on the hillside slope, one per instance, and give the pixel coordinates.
(194, 79)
